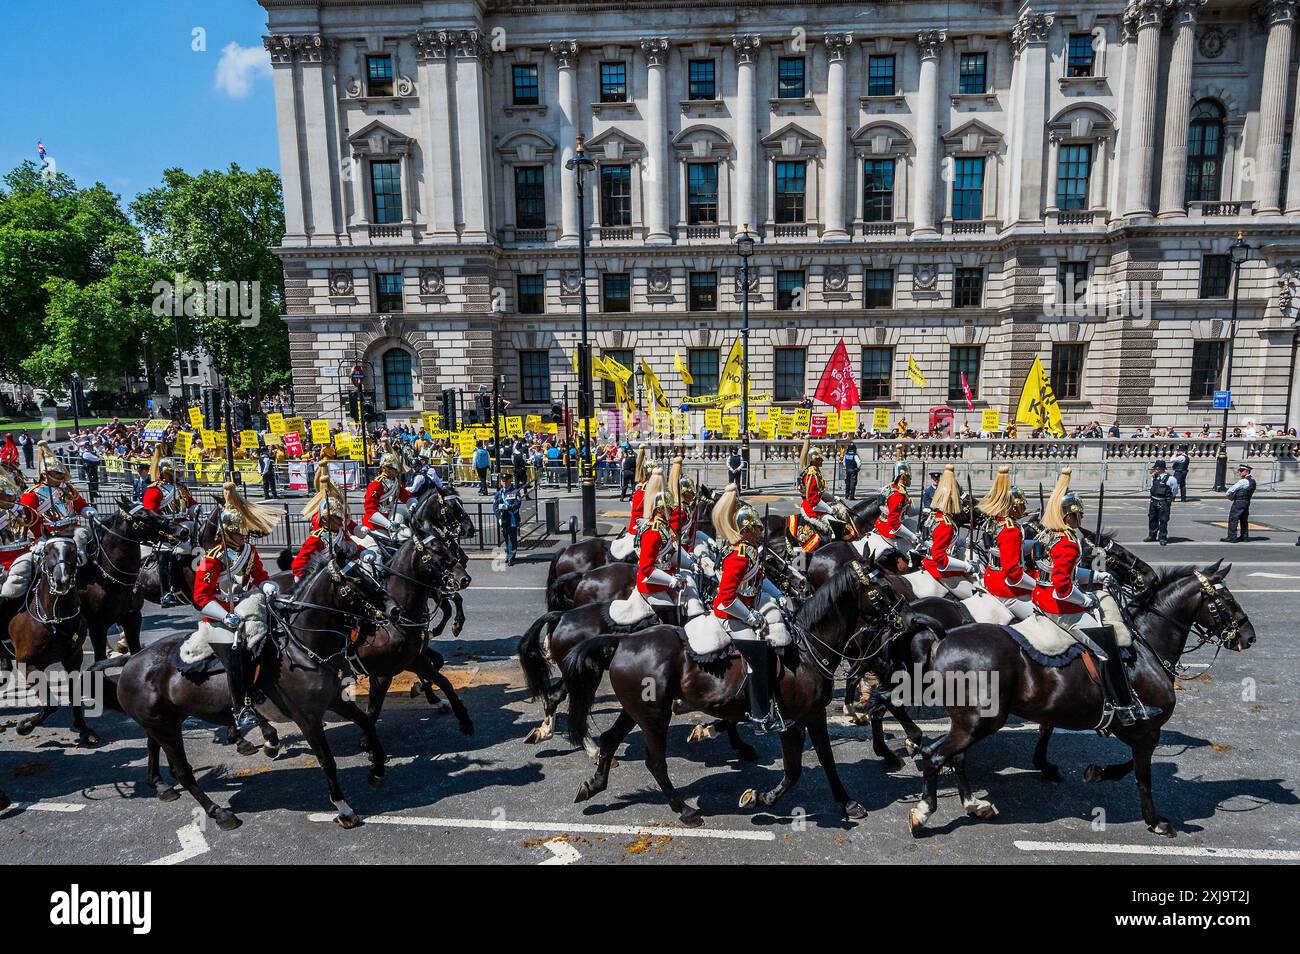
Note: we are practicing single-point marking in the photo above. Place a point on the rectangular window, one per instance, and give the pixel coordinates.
(386, 191)
(703, 364)
(877, 373)
(1207, 369)
(702, 81)
(790, 189)
(790, 78)
(613, 82)
(615, 195)
(1073, 164)
(878, 190)
(973, 73)
(789, 291)
(968, 190)
(616, 288)
(388, 292)
(535, 377)
(525, 84)
(530, 197)
(880, 75)
(1080, 56)
(968, 288)
(1071, 282)
(702, 193)
(1067, 371)
(379, 75)
(530, 290)
(789, 380)
(878, 285)
(703, 291)
(1216, 274)
(625, 357)
(964, 359)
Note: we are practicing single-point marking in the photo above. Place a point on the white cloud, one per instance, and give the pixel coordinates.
(239, 67)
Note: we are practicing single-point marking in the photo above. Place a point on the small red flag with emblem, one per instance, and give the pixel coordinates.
(837, 387)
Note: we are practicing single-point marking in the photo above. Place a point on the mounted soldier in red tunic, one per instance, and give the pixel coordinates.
(1006, 577)
(625, 544)
(166, 496)
(821, 517)
(16, 541)
(384, 508)
(328, 512)
(939, 561)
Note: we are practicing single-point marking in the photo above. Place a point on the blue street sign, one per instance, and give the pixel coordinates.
(1222, 400)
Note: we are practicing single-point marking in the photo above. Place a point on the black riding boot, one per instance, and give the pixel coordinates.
(241, 692)
(168, 598)
(757, 654)
(1128, 710)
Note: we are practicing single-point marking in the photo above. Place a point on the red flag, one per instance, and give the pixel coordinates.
(970, 398)
(837, 387)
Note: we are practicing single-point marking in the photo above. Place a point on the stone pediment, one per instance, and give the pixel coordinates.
(614, 145)
(526, 145)
(973, 136)
(379, 139)
(792, 141)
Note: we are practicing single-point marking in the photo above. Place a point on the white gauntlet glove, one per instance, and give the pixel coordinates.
(270, 589)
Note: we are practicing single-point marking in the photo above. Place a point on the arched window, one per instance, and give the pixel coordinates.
(1205, 152)
(398, 387)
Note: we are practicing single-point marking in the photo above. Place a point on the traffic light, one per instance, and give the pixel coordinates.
(557, 413)
(483, 407)
(449, 409)
(210, 403)
(354, 405)
(371, 415)
(243, 416)
(78, 397)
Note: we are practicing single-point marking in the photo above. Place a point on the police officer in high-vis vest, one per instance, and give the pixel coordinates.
(1164, 489)
(1239, 516)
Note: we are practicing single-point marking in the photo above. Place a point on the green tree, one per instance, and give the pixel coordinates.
(221, 226)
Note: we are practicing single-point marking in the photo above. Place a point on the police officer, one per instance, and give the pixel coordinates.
(1179, 464)
(852, 464)
(1239, 515)
(1163, 491)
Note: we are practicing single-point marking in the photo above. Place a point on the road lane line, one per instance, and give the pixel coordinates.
(492, 824)
(473, 587)
(1185, 851)
(192, 842)
(65, 807)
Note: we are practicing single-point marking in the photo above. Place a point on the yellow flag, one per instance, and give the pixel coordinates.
(680, 367)
(730, 388)
(1038, 406)
(599, 369)
(575, 360)
(914, 372)
(617, 370)
(657, 397)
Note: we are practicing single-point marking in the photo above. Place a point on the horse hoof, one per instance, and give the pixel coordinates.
(86, 737)
(271, 751)
(852, 810)
(227, 820)
(376, 779)
(244, 747)
(746, 753)
(416, 690)
(350, 820)
(467, 728)
(748, 797)
(859, 718)
(585, 791)
(1050, 773)
(979, 808)
(917, 818)
(168, 794)
(691, 817)
(1093, 773)
(25, 727)
(441, 708)
(1163, 827)
(537, 736)
(701, 733)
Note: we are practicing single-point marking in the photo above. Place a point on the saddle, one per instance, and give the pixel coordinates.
(615, 621)
(1047, 643)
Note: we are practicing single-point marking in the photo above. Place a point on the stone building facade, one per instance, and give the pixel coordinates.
(925, 178)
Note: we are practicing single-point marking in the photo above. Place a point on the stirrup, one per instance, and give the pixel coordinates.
(245, 719)
(169, 599)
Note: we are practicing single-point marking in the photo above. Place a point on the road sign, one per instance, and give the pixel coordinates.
(1222, 400)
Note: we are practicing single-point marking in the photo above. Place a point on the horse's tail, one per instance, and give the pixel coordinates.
(583, 668)
(531, 659)
(111, 669)
(557, 594)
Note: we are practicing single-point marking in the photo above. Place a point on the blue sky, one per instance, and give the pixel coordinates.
(117, 94)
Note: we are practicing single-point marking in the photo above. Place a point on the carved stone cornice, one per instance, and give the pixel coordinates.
(1184, 12)
(655, 49)
(1269, 13)
(301, 48)
(431, 44)
(1031, 28)
(930, 43)
(565, 53)
(280, 46)
(837, 45)
(1141, 14)
(747, 46)
(468, 44)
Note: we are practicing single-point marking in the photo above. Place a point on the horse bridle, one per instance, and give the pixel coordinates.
(1227, 620)
(100, 527)
(34, 609)
(890, 618)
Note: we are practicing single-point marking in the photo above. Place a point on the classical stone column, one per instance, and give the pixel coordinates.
(566, 59)
(280, 46)
(930, 45)
(747, 47)
(1280, 17)
(314, 52)
(435, 146)
(656, 206)
(837, 49)
(1029, 46)
(1173, 173)
(471, 134)
(1142, 20)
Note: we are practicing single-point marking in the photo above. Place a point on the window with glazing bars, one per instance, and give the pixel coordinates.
(878, 190)
(790, 189)
(613, 82)
(968, 189)
(880, 75)
(530, 197)
(1080, 56)
(973, 73)
(1073, 164)
(1067, 371)
(615, 195)
(702, 84)
(878, 286)
(963, 359)
(702, 193)
(877, 368)
(379, 75)
(790, 78)
(1207, 369)
(386, 191)
(789, 291)
(703, 364)
(535, 377)
(789, 374)
(525, 84)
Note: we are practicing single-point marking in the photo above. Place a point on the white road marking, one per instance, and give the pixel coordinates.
(1276, 576)
(193, 844)
(562, 853)
(65, 807)
(1236, 590)
(558, 827)
(473, 587)
(1185, 851)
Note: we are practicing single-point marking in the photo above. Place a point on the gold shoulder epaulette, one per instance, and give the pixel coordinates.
(216, 553)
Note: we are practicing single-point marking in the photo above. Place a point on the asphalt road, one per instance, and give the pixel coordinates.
(1225, 772)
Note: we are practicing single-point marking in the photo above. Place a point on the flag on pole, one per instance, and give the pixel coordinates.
(600, 369)
(837, 387)
(1038, 406)
(914, 372)
(730, 386)
(575, 360)
(680, 367)
(658, 399)
(970, 397)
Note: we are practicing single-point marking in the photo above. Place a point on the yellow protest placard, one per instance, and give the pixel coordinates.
(275, 423)
(343, 441)
(515, 426)
(992, 419)
(731, 426)
(196, 417)
(848, 422)
(181, 445)
(786, 427)
(320, 431)
(803, 418)
(209, 438)
(295, 425)
(551, 428)
(713, 419)
(766, 430)
(533, 422)
(832, 422)
(660, 420)
(880, 419)
(753, 419)
(248, 440)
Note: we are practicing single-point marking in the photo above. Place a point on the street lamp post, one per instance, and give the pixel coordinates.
(745, 249)
(76, 411)
(1239, 251)
(580, 165)
(358, 381)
